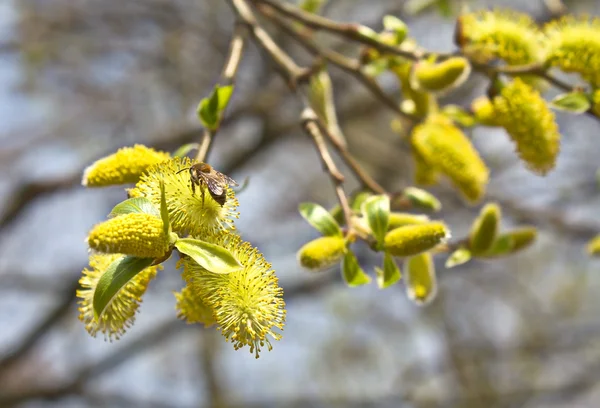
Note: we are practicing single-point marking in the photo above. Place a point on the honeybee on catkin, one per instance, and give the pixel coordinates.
(215, 181)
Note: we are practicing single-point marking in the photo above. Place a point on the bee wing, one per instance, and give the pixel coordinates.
(226, 179)
(231, 181)
(215, 186)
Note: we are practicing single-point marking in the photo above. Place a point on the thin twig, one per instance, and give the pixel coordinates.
(295, 76)
(349, 31)
(351, 66)
(310, 124)
(230, 68)
(365, 179)
(285, 64)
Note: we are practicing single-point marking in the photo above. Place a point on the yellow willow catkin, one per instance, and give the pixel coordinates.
(192, 309)
(322, 253)
(123, 167)
(415, 239)
(397, 220)
(422, 101)
(425, 174)
(248, 304)
(119, 314)
(136, 234)
(593, 246)
(484, 112)
(485, 229)
(596, 102)
(421, 282)
(574, 46)
(445, 147)
(440, 76)
(505, 34)
(525, 115)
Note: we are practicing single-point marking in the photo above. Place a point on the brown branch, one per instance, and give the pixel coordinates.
(351, 66)
(310, 124)
(230, 68)
(350, 31)
(285, 64)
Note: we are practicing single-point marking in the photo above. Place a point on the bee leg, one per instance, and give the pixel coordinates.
(193, 188)
(202, 193)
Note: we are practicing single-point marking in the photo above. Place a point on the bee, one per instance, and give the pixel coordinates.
(215, 181)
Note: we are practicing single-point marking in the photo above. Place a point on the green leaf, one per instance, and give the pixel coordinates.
(320, 219)
(210, 109)
(376, 67)
(458, 257)
(575, 102)
(118, 274)
(134, 205)
(501, 246)
(459, 115)
(211, 257)
(359, 200)
(312, 6)
(164, 211)
(390, 273)
(352, 272)
(414, 7)
(393, 23)
(223, 96)
(377, 212)
(422, 198)
(367, 32)
(185, 149)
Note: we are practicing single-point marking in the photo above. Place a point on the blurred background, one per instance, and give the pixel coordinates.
(79, 79)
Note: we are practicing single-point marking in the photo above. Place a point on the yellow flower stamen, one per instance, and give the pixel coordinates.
(248, 305)
(192, 309)
(119, 315)
(525, 115)
(123, 167)
(446, 148)
(188, 212)
(136, 234)
(575, 46)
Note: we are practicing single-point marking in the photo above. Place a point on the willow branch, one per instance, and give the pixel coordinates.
(228, 75)
(285, 64)
(350, 31)
(349, 65)
(310, 124)
(296, 75)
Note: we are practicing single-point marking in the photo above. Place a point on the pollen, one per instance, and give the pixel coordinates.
(123, 167)
(525, 115)
(248, 304)
(322, 253)
(421, 282)
(445, 147)
(190, 212)
(119, 315)
(412, 240)
(135, 234)
(575, 46)
(504, 34)
(192, 309)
